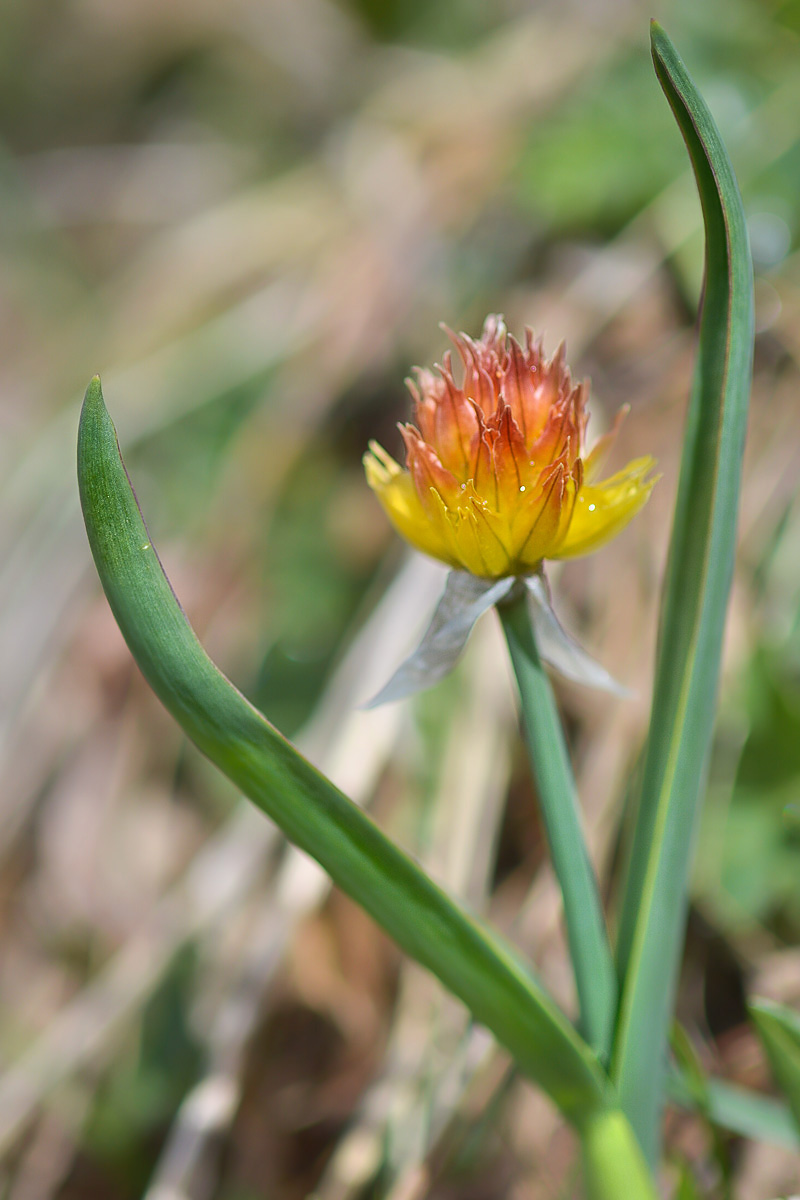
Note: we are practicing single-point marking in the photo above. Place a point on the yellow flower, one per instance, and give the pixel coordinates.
(496, 478)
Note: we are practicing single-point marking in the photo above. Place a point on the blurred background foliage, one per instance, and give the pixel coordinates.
(250, 217)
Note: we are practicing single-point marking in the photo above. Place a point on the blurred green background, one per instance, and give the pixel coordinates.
(250, 218)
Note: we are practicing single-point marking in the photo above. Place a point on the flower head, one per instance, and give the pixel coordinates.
(497, 479)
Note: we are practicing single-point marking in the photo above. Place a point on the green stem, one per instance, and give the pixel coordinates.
(593, 964)
(613, 1163)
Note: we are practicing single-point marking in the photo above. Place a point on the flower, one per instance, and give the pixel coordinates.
(497, 479)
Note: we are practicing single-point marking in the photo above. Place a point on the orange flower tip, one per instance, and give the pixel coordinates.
(492, 446)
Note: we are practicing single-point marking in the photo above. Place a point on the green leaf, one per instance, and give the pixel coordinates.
(692, 619)
(694, 1077)
(590, 951)
(740, 1111)
(779, 1030)
(687, 1187)
(471, 961)
(698, 1084)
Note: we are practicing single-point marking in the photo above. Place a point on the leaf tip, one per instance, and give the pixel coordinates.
(94, 426)
(94, 393)
(94, 407)
(659, 39)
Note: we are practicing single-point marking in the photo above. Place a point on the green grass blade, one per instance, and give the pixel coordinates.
(693, 614)
(779, 1031)
(746, 1113)
(590, 950)
(469, 960)
(698, 1083)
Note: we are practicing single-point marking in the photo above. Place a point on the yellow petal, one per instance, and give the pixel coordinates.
(541, 536)
(460, 534)
(489, 533)
(470, 556)
(398, 497)
(602, 510)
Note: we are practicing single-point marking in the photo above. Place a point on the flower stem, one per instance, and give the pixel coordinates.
(592, 961)
(613, 1164)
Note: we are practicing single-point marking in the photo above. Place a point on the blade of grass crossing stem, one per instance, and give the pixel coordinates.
(590, 950)
(469, 960)
(693, 613)
(779, 1031)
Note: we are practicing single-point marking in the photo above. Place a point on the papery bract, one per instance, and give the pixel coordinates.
(497, 479)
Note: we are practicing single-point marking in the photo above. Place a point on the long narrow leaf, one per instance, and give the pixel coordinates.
(471, 961)
(695, 600)
(739, 1110)
(779, 1030)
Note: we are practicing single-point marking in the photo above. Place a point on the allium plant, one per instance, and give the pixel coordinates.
(498, 481)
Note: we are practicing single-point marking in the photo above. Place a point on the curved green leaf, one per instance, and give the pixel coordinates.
(469, 960)
(693, 615)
